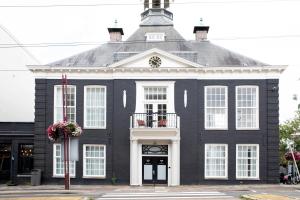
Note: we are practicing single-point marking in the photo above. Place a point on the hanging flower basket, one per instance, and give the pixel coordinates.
(58, 129)
(288, 155)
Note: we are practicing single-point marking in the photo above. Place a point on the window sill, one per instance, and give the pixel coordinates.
(248, 179)
(94, 128)
(216, 129)
(216, 178)
(247, 129)
(94, 177)
(24, 175)
(57, 176)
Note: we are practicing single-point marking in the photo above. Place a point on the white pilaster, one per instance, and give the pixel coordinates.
(150, 4)
(175, 163)
(162, 3)
(134, 162)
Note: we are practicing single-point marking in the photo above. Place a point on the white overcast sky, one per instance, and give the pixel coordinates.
(266, 30)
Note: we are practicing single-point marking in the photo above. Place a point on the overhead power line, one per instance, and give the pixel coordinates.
(136, 4)
(70, 44)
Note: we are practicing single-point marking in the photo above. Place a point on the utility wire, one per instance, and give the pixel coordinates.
(135, 4)
(70, 44)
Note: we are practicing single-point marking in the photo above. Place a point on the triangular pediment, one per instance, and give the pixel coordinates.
(166, 60)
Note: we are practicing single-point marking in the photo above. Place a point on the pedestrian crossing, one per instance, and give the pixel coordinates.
(164, 195)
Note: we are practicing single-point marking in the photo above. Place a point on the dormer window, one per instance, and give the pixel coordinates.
(155, 37)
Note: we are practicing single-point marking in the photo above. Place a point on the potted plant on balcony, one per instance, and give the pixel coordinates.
(162, 123)
(141, 123)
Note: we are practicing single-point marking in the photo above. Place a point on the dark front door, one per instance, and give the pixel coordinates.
(155, 170)
(5, 159)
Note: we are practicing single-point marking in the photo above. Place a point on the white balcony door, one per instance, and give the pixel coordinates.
(155, 112)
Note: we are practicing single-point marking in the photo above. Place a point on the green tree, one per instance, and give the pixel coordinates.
(286, 130)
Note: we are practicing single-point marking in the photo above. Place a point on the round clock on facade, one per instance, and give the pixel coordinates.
(155, 61)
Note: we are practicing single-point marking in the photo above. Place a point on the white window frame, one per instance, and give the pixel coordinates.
(84, 162)
(54, 104)
(226, 107)
(226, 162)
(257, 107)
(155, 36)
(105, 107)
(257, 163)
(54, 163)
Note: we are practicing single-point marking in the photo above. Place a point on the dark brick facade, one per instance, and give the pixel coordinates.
(192, 132)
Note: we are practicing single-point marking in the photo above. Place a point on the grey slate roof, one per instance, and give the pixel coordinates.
(201, 52)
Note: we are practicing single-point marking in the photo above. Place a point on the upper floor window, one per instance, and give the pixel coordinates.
(155, 93)
(247, 112)
(155, 37)
(216, 160)
(70, 102)
(216, 107)
(247, 161)
(95, 107)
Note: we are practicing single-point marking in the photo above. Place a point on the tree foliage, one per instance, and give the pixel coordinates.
(286, 130)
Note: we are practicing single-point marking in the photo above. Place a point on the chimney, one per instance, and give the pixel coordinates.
(201, 31)
(115, 33)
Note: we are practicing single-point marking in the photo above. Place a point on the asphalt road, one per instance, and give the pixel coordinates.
(49, 192)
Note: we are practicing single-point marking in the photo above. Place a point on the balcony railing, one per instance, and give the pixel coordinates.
(154, 120)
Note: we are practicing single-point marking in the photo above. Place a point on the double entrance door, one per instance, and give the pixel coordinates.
(155, 170)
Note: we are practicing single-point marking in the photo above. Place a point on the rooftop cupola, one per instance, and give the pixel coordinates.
(201, 31)
(155, 13)
(115, 33)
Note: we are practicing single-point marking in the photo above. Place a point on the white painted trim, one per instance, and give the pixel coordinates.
(154, 51)
(226, 162)
(84, 103)
(140, 101)
(54, 175)
(257, 163)
(207, 73)
(54, 101)
(84, 162)
(257, 103)
(226, 104)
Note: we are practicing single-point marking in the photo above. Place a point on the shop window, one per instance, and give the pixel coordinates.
(25, 158)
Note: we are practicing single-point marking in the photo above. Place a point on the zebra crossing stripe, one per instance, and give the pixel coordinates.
(165, 195)
(155, 198)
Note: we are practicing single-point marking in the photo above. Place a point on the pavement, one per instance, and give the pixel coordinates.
(124, 192)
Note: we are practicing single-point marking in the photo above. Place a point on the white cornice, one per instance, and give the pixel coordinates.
(266, 72)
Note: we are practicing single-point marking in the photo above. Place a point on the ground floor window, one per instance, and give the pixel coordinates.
(247, 161)
(58, 162)
(216, 160)
(25, 158)
(94, 160)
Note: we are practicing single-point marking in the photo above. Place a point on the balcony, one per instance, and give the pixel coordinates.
(155, 121)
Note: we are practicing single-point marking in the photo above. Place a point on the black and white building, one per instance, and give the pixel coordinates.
(157, 108)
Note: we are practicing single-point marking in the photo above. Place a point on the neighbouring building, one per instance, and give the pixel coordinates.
(16, 109)
(157, 108)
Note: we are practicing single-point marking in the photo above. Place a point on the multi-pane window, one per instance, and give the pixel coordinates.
(247, 107)
(58, 162)
(155, 93)
(216, 107)
(94, 157)
(95, 107)
(216, 161)
(247, 161)
(70, 103)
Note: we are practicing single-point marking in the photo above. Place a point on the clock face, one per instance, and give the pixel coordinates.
(155, 61)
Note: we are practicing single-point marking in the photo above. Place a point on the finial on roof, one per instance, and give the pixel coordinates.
(201, 22)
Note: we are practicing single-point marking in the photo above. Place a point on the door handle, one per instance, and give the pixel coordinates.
(153, 172)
